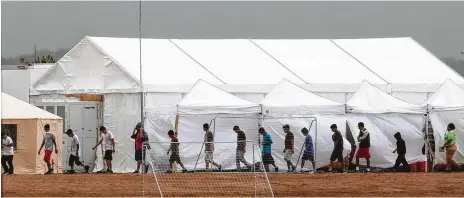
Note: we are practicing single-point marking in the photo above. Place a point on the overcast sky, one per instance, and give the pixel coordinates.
(52, 25)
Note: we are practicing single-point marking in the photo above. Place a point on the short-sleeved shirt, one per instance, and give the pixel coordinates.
(6, 150)
(174, 145)
(48, 139)
(139, 141)
(209, 137)
(241, 138)
(266, 145)
(289, 138)
(450, 135)
(107, 141)
(74, 143)
(338, 140)
(309, 149)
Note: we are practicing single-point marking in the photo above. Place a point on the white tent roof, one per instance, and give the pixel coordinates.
(370, 99)
(399, 60)
(318, 61)
(205, 98)
(448, 97)
(162, 61)
(13, 108)
(289, 98)
(106, 65)
(237, 61)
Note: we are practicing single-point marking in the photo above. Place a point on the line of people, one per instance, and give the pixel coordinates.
(337, 160)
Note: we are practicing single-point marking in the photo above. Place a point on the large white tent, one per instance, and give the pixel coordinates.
(290, 104)
(247, 68)
(383, 115)
(446, 106)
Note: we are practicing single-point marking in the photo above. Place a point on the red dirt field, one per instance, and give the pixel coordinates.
(283, 185)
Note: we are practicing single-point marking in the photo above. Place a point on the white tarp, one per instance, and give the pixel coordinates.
(289, 98)
(383, 115)
(382, 127)
(120, 114)
(205, 98)
(370, 99)
(318, 61)
(399, 60)
(236, 61)
(447, 106)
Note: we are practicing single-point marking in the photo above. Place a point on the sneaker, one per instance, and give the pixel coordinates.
(109, 171)
(220, 168)
(302, 171)
(293, 168)
(86, 167)
(276, 169)
(136, 171)
(169, 171)
(4, 173)
(368, 170)
(146, 168)
(184, 170)
(50, 171)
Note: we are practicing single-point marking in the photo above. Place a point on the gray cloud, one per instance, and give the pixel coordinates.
(54, 25)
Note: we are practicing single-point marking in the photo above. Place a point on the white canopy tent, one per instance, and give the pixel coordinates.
(383, 115)
(446, 106)
(290, 104)
(202, 104)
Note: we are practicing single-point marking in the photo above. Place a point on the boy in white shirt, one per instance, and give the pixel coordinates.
(7, 154)
(108, 146)
(74, 155)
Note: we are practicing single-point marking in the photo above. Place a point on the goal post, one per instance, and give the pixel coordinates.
(177, 174)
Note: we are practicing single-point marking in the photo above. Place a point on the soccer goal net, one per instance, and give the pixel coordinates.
(207, 169)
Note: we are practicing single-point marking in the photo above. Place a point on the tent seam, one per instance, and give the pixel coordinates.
(357, 60)
(201, 65)
(275, 59)
(430, 53)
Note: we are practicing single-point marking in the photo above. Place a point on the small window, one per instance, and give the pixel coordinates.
(11, 130)
(61, 111)
(50, 109)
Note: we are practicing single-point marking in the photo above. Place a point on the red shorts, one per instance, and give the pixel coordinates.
(363, 153)
(47, 155)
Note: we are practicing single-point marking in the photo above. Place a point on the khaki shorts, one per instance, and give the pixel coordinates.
(450, 152)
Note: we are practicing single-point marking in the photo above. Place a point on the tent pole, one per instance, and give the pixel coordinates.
(140, 61)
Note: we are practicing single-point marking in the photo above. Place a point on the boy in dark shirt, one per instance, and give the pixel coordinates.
(289, 147)
(401, 149)
(337, 153)
(174, 149)
(241, 148)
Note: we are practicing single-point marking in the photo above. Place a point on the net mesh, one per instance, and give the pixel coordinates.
(185, 173)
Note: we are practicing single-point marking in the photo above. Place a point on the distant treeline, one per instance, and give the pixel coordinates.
(45, 56)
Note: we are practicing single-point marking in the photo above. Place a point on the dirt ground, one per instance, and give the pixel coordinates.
(227, 184)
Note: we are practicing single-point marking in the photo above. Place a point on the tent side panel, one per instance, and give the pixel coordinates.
(120, 115)
(24, 159)
(56, 127)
